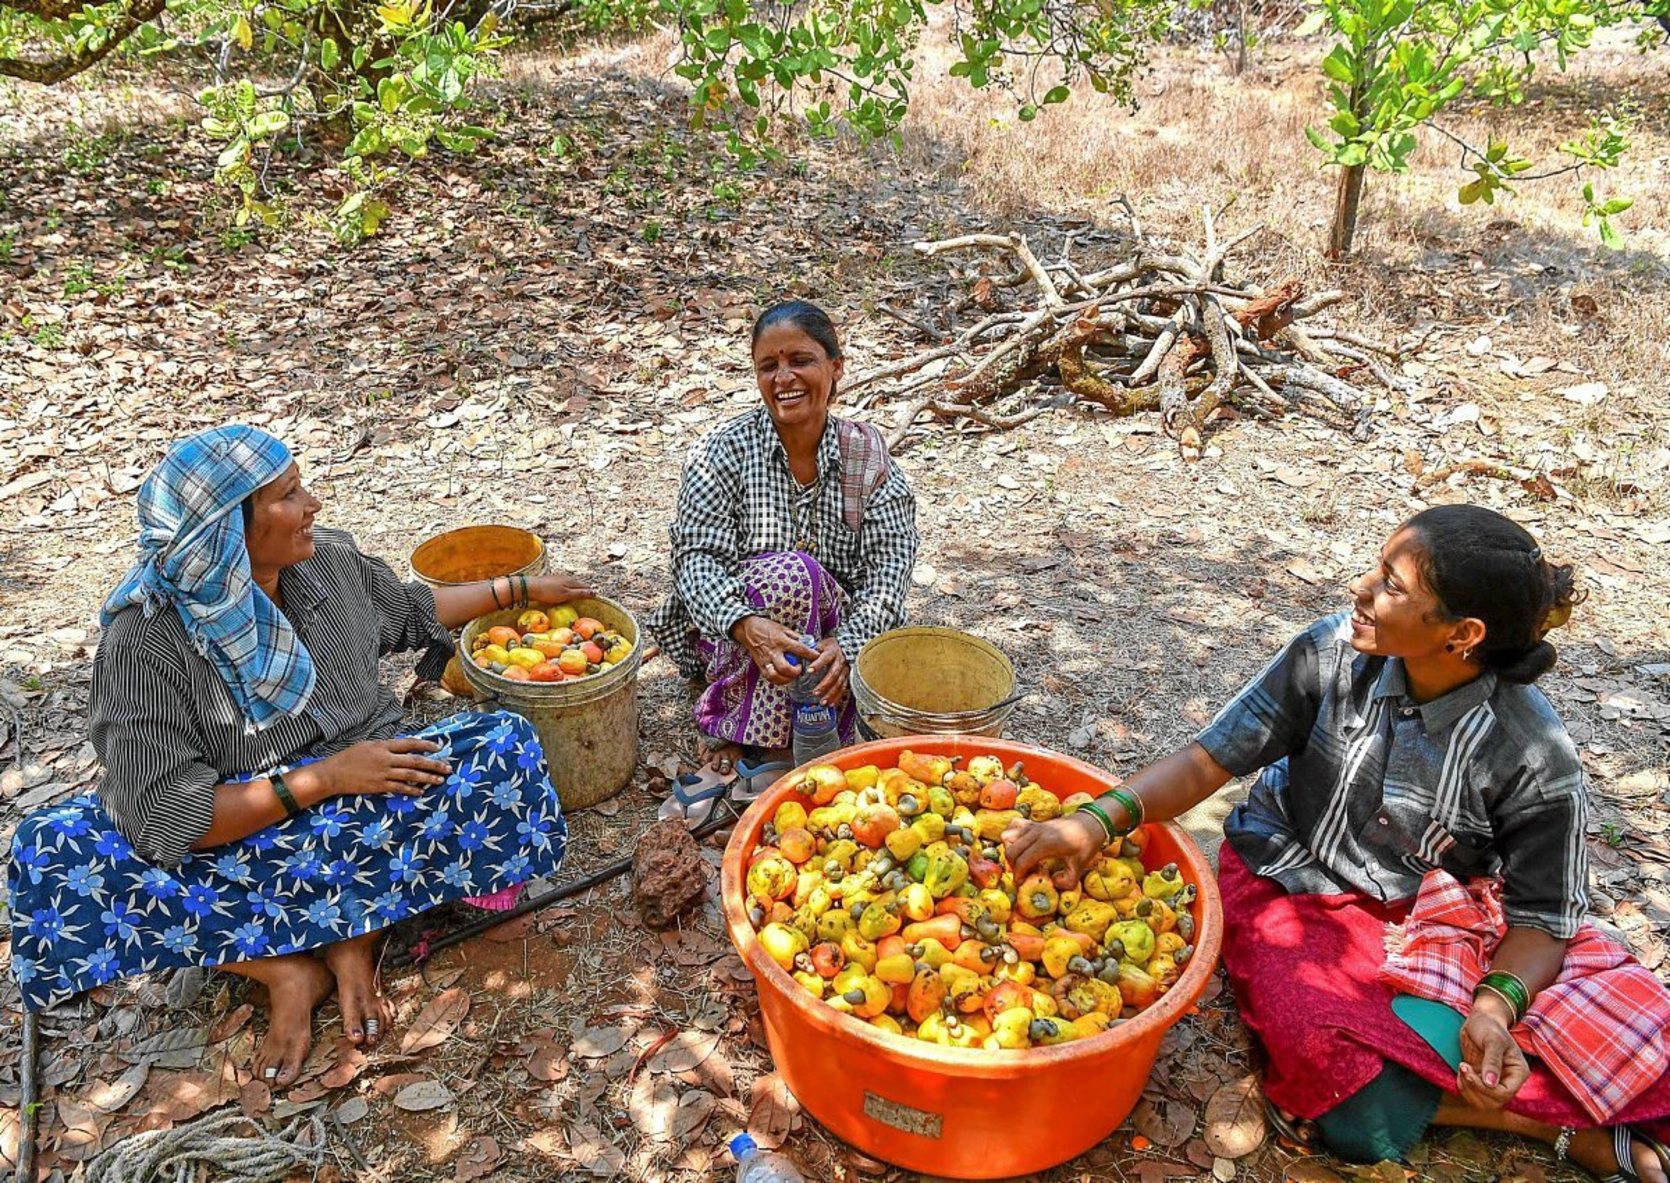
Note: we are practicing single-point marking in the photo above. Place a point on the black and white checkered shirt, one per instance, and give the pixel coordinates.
(738, 498)
(167, 728)
(1366, 790)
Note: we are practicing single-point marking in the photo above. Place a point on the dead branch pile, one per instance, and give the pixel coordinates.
(1161, 330)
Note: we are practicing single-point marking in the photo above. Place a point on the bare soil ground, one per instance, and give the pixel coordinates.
(537, 336)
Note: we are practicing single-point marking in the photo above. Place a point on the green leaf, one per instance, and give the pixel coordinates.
(1058, 94)
(1338, 65)
(1028, 112)
(234, 153)
(1616, 206)
(1311, 23)
(1352, 154)
(1318, 140)
(1471, 192)
(328, 55)
(1609, 235)
(268, 123)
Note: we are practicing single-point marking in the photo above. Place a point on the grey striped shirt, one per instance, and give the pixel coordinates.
(167, 728)
(1366, 790)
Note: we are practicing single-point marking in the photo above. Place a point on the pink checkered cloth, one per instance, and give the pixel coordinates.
(1601, 1027)
(864, 466)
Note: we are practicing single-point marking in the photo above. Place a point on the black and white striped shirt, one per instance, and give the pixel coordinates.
(166, 726)
(1366, 790)
(739, 498)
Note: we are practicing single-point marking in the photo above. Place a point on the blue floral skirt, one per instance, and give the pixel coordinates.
(87, 910)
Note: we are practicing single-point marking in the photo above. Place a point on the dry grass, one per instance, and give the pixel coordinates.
(1526, 272)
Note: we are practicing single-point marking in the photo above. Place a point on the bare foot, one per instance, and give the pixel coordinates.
(365, 1012)
(719, 755)
(296, 984)
(1593, 1150)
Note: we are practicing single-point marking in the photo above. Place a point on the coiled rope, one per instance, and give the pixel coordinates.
(208, 1148)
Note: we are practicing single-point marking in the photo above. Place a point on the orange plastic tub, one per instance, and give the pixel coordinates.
(965, 1113)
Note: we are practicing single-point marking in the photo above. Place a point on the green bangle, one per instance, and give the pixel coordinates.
(285, 797)
(1511, 988)
(524, 580)
(1514, 1011)
(1132, 805)
(1100, 814)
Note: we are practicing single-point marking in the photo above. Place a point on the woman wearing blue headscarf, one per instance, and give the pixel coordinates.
(261, 810)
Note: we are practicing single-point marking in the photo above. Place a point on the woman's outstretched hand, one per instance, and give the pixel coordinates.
(1492, 1066)
(1076, 839)
(558, 587)
(770, 644)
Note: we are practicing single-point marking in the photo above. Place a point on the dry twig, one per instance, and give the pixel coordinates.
(1161, 329)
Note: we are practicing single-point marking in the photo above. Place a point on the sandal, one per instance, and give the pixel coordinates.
(755, 775)
(1299, 1132)
(695, 795)
(1622, 1139)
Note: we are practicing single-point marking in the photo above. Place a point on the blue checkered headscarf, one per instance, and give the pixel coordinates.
(192, 558)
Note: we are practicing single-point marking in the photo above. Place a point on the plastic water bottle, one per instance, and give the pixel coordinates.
(754, 1165)
(814, 733)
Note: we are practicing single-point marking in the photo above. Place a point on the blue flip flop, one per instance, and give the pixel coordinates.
(756, 776)
(694, 797)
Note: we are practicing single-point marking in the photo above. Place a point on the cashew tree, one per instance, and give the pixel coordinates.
(1397, 65)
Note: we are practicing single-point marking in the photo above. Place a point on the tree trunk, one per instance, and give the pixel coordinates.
(1241, 39)
(1347, 198)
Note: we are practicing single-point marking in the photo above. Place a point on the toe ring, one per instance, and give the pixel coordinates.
(271, 1074)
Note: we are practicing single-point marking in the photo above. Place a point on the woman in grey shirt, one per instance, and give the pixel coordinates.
(261, 809)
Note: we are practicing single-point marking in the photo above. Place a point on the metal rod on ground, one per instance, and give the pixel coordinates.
(567, 890)
(29, 1100)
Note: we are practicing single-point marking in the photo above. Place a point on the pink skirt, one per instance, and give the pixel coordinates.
(1305, 969)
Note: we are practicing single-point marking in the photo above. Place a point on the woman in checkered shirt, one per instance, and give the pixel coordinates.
(1415, 784)
(790, 522)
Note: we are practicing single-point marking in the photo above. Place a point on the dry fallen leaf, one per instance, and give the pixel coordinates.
(1306, 570)
(548, 1063)
(772, 1111)
(352, 1110)
(423, 1095)
(436, 1021)
(349, 1061)
(683, 1052)
(593, 1152)
(652, 1106)
(187, 1094)
(1310, 1170)
(1235, 1119)
(109, 1096)
(1166, 1123)
(83, 1134)
(230, 1023)
(694, 1108)
(255, 1098)
(480, 1158)
(546, 1142)
(600, 1041)
(395, 1081)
